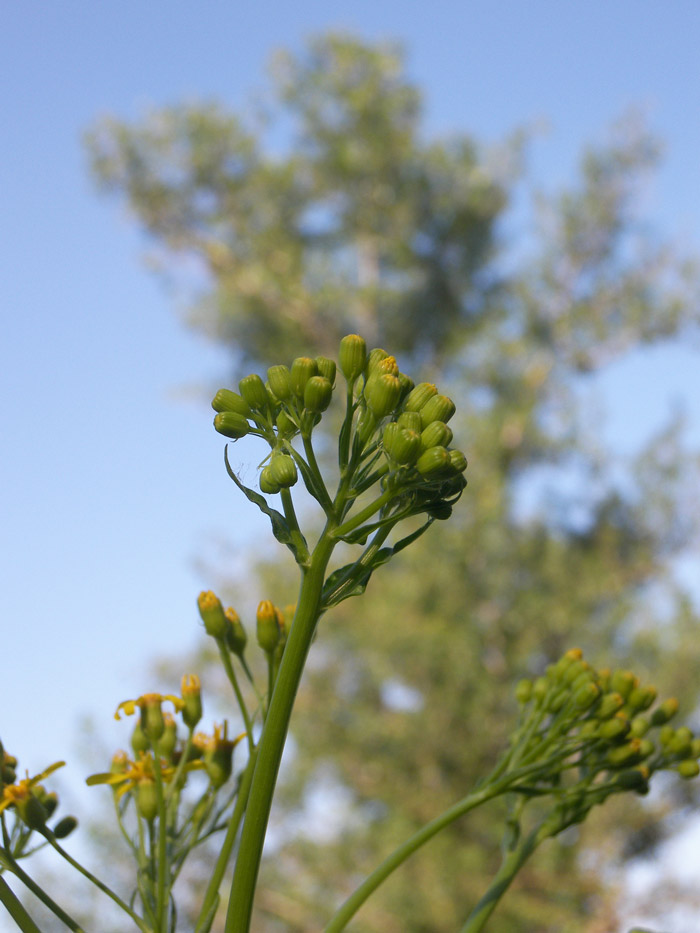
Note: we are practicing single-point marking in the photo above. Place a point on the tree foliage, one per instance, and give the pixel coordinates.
(359, 224)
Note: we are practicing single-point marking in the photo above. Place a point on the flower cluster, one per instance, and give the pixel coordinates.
(32, 805)
(586, 734)
(161, 755)
(394, 431)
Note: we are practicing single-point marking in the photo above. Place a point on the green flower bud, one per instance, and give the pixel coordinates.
(226, 400)
(401, 445)
(681, 742)
(352, 356)
(523, 691)
(458, 462)
(236, 637)
(557, 701)
(218, 756)
(666, 733)
(383, 395)
(411, 421)
(268, 628)
(212, 613)
(152, 720)
(31, 810)
(540, 689)
(646, 748)
(49, 801)
(191, 691)
(664, 712)
(433, 462)
(65, 827)
(377, 356)
(326, 368)
(640, 726)
(303, 368)
(437, 434)
(168, 740)
(139, 740)
(695, 748)
(623, 682)
(280, 382)
(615, 728)
(267, 482)
(439, 510)
(407, 385)
(437, 408)
(318, 393)
(147, 799)
(231, 424)
(283, 470)
(609, 705)
(419, 396)
(585, 696)
(625, 755)
(688, 769)
(641, 698)
(585, 677)
(253, 390)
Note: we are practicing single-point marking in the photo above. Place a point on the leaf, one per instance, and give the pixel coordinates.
(280, 528)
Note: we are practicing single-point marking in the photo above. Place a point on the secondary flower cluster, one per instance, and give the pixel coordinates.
(29, 800)
(594, 734)
(160, 754)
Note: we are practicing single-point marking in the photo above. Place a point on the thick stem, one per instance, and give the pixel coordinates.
(212, 893)
(273, 738)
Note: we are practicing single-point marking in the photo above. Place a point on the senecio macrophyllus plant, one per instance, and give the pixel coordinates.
(582, 735)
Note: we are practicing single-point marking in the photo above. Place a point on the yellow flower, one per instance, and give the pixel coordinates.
(20, 792)
(148, 699)
(133, 773)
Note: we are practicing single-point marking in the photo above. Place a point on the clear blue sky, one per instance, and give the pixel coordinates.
(110, 484)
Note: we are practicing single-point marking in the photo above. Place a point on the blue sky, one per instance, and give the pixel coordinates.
(112, 484)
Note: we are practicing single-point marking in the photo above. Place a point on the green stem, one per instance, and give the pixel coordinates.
(366, 513)
(233, 680)
(162, 893)
(325, 500)
(350, 907)
(513, 861)
(39, 893)
(273, 737)
(290, 514)
(98, 884)
(211, 895)
(15, 909)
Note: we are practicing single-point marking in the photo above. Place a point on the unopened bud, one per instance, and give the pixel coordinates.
(283, 470)
(236, 637)
(625, 755)
(280, 382)
(609, 705)
(402, 446)
(317, 394)
(352, 356)
(585, 696)
(231, 424)
(326, 368)
(437, 408)
(65, 827)
(377, 356)
(191, 691)
(664, 712)
(433, 462)
(411, 421)
(268, 630)
(437, 434)
(688, 768)
(226, 400)
(523, 691)
(253, 390)
(267, 482)
(212, 613)
(383, 395)
(458, 462)
(419, 396)
(147, 799)
(303, 368)
(623, 682)
(641, 698)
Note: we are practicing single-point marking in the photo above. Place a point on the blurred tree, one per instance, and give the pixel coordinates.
(358, 224)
